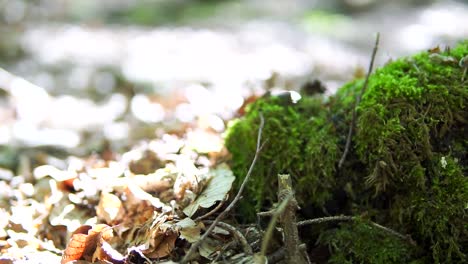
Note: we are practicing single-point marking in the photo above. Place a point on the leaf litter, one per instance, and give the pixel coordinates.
(141, 205)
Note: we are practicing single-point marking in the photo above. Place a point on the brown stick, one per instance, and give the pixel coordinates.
(354, 218)
(240, 237)
(288, 221)
(212, 211)
(280, 253)
(260, 145)
(356, 103)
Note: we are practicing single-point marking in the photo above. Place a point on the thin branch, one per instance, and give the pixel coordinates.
(393, 232)
(288, 221)
(238, 196)
(325, 219)
(279, 255)
(243, 241)
(212, 211)
(271, 226)
(354, 218)
(266, 213)
(215, 260)
(356, 103)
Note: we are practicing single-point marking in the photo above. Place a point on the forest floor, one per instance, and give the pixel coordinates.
(111, 135)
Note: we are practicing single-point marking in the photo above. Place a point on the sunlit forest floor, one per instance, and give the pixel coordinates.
(96, 94)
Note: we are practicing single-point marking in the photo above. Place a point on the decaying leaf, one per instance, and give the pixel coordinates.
(90, 244)
(189, 230)
(164, 244)
(109, 208)
(217, 188)
(208, 248)
(140, 194)
(156, 182)
(77, 246)
(104, 251)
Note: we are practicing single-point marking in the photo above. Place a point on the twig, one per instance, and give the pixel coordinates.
(259, 147)
(325, 219)
(220, 252)
(212, 211)
(288, 221)
(266, 213)
(354, 218)
(245, 245)
(271, 226)
(358, 100)
(280, 253)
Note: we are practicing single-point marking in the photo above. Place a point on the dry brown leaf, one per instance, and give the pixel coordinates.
(86, 243)
(109, 208)
(75, 248)
(154, 182)
(104, 251)
(163, 245)
(138, 210)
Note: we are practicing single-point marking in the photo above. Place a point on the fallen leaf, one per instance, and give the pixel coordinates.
(216, 190)
(208, 247)
(87, 243)
(189, 230)
(105, 252)
(165, 245)
(109, 208)
(75, 249)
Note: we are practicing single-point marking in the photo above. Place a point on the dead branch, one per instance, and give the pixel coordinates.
(271, 226)
(325, 219)
(280, 253)
(237, 234)
(269, 213)
(212, 211)
(356, 103)
(288, 221)
(220, 253)
(354, 218)
(238, 196)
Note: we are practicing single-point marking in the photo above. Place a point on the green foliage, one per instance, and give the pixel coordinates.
(360, 242)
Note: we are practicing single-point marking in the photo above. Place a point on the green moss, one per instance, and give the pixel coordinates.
(299, 143)
(360, 242)
(407, 163)
(436, 212)
(412, 116)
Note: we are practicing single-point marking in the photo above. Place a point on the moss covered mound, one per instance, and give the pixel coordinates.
(407, 164)
(412, 138)
(297, 139)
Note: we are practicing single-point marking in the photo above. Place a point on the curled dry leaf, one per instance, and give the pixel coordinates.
(90, 244)
(155, 182)
(163, 245)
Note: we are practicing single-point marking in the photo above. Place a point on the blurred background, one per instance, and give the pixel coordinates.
(82, 76)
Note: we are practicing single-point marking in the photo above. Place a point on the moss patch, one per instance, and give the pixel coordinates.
(407, 164)
(372, 245)
(411, 136)
(291, 131)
